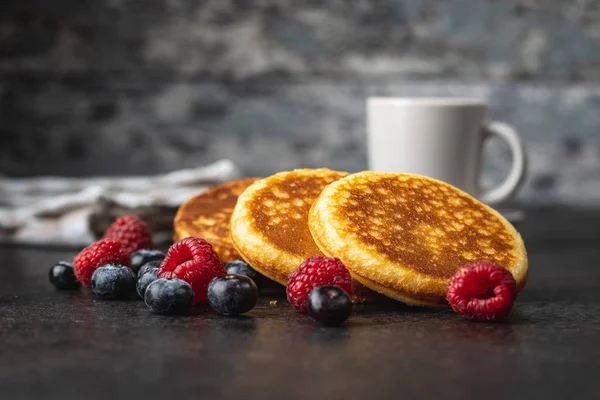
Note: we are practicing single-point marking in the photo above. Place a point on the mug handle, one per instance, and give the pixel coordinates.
(519, 162)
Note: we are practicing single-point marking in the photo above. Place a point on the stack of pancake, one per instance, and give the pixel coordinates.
(399, 235)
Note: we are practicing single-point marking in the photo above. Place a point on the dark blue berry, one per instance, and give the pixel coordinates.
(61, 275)
(232, 294)
(147, 278)
(330, 305)
(169, 296)
(113, 281)
(147, 267)
(141, 257)
(241, 267)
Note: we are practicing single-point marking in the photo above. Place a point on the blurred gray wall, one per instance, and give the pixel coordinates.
(143, 86)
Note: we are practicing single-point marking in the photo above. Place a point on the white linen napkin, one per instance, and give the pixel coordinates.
(75, 211)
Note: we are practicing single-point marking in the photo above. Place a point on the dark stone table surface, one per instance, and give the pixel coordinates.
(61, 345)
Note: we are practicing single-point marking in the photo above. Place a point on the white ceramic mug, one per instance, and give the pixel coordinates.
(441, 138)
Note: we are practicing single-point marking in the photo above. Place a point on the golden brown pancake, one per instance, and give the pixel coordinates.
(269, 223)
(208, 215)
(405, 235)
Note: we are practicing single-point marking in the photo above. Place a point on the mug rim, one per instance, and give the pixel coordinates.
(428, 101)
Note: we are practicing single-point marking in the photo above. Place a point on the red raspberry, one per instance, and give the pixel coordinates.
(194, 261)
(482, 291)
(316, 271)
(132, 232)
(102, 252)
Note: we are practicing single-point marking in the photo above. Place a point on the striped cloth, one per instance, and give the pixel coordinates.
(73, 212)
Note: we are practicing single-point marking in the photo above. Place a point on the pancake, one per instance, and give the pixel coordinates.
(208, 214)
(404, 235)
(269, 225)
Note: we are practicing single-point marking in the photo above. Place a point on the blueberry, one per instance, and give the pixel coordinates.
(241, 267)
(113, 281)
(232, 294)
(147, 267)
(169, 296)
(62, 276)
(141, 257)
(330, 305)
(147, 278)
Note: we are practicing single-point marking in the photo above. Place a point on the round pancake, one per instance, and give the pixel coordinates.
(405, 235)
(269, 222)
(208, 215)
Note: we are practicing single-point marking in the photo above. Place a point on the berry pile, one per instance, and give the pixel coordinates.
(124, 262)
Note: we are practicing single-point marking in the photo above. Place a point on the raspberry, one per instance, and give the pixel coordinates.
(102, 252)
(316, 271)
(482, 291)
(194, 261)
(132, 232)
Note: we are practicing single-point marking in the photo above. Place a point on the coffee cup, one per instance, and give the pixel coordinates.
(441, 138)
